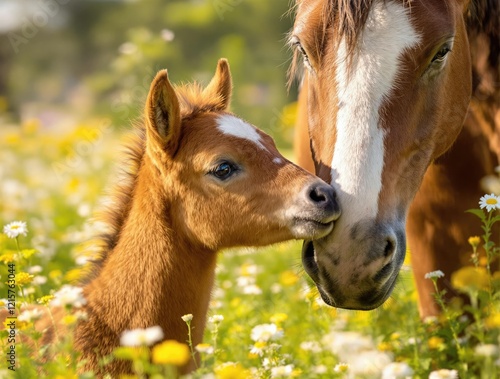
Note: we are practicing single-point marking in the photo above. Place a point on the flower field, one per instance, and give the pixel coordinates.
(266, 317)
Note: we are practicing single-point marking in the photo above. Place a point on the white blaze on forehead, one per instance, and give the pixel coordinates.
(236, 127)
(358, 158)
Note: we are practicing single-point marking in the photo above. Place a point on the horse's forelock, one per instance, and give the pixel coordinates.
(347, 16)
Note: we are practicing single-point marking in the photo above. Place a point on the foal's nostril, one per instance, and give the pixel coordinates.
(317, 196)
(321, 193)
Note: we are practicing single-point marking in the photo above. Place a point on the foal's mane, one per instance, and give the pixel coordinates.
(192, 101)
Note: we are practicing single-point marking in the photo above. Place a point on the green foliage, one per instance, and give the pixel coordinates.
(103, 55)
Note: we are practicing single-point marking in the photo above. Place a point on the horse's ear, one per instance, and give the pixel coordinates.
(221, 85)
(163, 115)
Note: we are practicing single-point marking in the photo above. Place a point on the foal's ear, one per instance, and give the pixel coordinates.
(163, 115)
(221, 85)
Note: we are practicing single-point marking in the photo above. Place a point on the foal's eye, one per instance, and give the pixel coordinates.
(224, 170)
(441, 55)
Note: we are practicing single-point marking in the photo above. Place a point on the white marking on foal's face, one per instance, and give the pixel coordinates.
(358, 158)
(234, 126)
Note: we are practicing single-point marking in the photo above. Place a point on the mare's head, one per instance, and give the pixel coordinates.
(388, 84)
(225, 182)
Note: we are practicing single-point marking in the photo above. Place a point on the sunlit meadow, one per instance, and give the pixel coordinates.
(266, 319)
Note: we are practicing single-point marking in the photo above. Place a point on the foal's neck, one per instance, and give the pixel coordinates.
(153, 276)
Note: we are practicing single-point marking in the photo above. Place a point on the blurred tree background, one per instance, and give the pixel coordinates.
(63, 61)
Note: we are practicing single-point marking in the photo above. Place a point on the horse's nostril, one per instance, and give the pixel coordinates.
(389, 248)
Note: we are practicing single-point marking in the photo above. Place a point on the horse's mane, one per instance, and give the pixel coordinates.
(483, 20)
(192, 101)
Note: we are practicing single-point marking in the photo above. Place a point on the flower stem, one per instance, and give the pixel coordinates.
(190, 343)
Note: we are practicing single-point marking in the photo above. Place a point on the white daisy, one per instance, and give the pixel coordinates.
(397, 370)
(216, 319)
(204, 348)
(141, 337)
(444, 374)
(341, 367)
(187, 318)
(486, 350)
(30, 315)
(252, 289)
(434, 274)
(35, 269)
(281, 371)
(312, 346)
(489, 202)
(266, 332)
(69, 295)
(15, 229)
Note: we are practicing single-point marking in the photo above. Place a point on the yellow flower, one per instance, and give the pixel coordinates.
(69, 319)
(23, 278)
(131, 353)
(395, 336)
(474, 241)
(483, 261)
(384, 346)
(278, 318)
(66, 376)
(492, 321)
(13, 138)
(7, 258)
(435, 343)
(45, 300)
(55, 275)
(74, 275)
(288, 278)
(28, 253)
(470, 278)
(235, 303)
(232, 371)
(171, 353)
(296, 373)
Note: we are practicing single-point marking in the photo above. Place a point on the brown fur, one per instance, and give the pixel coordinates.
(437, 226)
(170, 218)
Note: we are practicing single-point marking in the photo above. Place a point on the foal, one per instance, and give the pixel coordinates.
(203, 180)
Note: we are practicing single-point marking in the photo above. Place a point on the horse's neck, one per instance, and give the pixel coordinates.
(153, 276)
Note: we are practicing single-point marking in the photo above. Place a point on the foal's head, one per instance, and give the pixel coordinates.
(388, 85)
(224, 182)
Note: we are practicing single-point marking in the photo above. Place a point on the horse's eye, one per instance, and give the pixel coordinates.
(224, 170)
(440, 55)
(297, 45)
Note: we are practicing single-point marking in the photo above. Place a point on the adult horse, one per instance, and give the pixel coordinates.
(385, 92)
